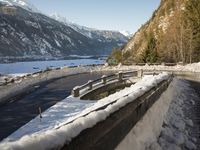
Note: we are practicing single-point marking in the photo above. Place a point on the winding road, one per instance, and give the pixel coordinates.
(22, 108)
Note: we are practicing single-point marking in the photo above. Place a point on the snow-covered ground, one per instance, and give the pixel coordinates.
(21, 3)
(68, 118)
(175, 133)
(195, 67)
(166, 125)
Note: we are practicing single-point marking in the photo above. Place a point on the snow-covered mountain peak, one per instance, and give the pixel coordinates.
(21, 3)
(64, 20)
(126, 33)
(60, 18)
(100, 35)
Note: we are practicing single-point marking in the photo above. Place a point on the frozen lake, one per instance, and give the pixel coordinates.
(34, 66)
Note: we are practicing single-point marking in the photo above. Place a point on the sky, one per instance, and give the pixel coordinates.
(120, 15)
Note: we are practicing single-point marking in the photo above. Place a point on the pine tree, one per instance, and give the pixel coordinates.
(192, 19)
(150, 53)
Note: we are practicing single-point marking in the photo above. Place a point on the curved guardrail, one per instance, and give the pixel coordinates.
(119, 77)
(114, 129)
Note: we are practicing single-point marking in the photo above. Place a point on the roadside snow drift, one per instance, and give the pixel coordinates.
(65, 120)
(176, 130)
(194, 67)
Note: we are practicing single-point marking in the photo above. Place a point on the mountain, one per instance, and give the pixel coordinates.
(172, 34)
(100, 35)
(126, 33)
(25, 33)
(20, 3)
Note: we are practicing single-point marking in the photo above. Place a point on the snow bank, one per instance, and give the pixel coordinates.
(20, 3)
(174, 134)
(71, 124)
(195, 67)
(9, 79)
(18, 74)
(53, 117)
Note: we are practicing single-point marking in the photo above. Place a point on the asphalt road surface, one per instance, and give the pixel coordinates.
(24, 107)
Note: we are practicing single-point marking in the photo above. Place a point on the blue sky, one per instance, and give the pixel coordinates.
(121, 15)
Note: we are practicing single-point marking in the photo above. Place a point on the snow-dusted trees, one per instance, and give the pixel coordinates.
(192, 13)
(181, 40)
(171, 35)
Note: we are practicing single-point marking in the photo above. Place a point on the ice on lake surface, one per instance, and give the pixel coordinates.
(34, 66)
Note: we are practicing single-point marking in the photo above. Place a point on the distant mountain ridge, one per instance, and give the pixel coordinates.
(26, 33)
(21, 3)
(127, 33)
(101, 35)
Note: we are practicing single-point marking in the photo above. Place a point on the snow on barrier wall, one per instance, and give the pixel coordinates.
(106, 121)
(110, 132)
(147, 130)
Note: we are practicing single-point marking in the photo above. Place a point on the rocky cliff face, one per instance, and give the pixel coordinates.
(27, 33)
(167, 36)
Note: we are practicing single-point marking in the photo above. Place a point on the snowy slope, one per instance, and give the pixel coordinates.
(29, 34)
(126, 33)
(21, 3)
(100, 35)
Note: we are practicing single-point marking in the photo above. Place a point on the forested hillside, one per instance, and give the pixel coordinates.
(171, 35)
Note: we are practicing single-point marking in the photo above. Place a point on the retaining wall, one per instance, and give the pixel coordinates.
(147, 130)
(112, 131)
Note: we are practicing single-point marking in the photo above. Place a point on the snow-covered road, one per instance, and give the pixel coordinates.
(181, 127)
